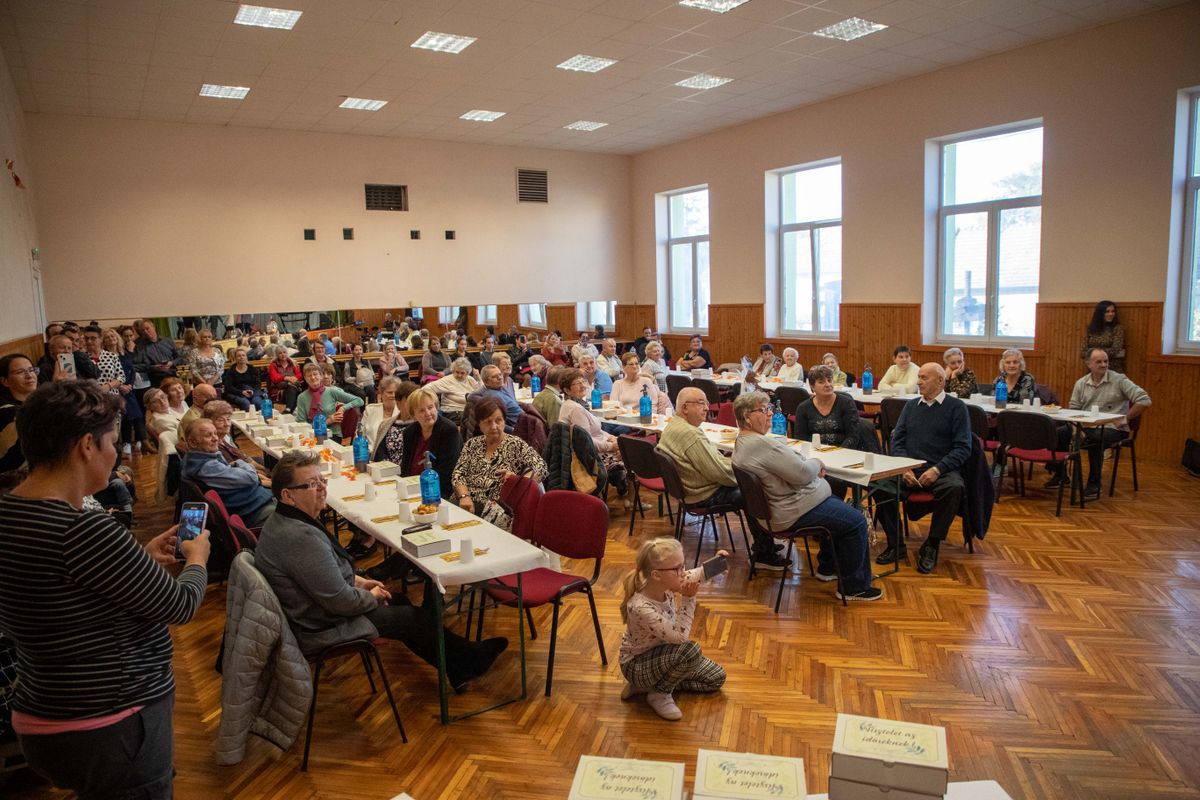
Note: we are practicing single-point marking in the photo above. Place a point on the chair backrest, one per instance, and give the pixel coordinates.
(350, 417)
(1135, 425)
(711, 391)
(850, 377)
(979, 421)
(670, 475)
(637, 454)
(674, 384)
(754, 499)
(790, 398)
(572, 524)
(1027, 431)
(1046, 393)
(520, 495)
(889, 414)
(244, 538)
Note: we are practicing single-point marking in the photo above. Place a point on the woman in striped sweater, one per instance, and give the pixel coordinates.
(88, 608)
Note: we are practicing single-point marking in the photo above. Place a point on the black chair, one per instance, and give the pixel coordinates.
(674, 384)
(850, 377)
(981, 427)
(890, 409)
(712, 393)
(365, 649)
(637, 453)
(707, 513)
(759, 508)
(1033, 438)
(790, 398)
(1127, 443)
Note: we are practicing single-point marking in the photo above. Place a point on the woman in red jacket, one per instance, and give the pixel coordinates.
(284, 382)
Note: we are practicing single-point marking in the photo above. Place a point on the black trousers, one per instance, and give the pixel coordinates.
(947, 499)
(1093, 445)
(132, 760)
(416, 628)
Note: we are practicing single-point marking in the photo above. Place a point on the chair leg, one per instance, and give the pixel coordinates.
(596, 624)
(553, 642)
(746, 540)
(729, 534)
(1062, 479)
(387, 687)
(532, 627)
(470, 614)
(665, 499)
(808, 554)
(366, 662)
(637, 501)
(1112, 482)
(479, 624)
(1133, 463)
(837, 567)
(783, 575)
(312, 713)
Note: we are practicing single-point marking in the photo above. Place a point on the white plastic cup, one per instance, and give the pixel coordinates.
(405, 511)
(466, 550)
(976, 396)
(816, 440)
(332, 469)
(805, 448)
(401, 488)
(443, 513)
(368, 491)
(1095, 411)
(868, 461)
(1037, 402)
(295, 440)
(1027, 402)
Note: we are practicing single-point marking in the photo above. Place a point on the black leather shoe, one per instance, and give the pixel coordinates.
(927, 560)
(888, 556)
(1092, 492)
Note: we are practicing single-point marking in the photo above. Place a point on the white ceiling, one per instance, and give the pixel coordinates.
(146, 59)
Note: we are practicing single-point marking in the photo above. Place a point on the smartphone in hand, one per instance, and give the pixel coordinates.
(66, 362)
(714, 567)
(192, 518)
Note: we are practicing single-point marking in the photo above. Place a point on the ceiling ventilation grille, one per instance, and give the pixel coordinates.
(386, 197)
(533, 186)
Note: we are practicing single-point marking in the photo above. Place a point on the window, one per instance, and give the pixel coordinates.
(1189, 317)
(589, 315)
(810, 249)
(687, 259)
(485, 315)
(533, 315)
(989, 236)
(447, 315)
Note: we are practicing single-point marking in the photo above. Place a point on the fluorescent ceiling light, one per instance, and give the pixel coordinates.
(719, 6)
(479, 115)
(582, 63)
(703, 81)
(263, 17)
(443, 42)
(585, 125)
(362, 104)
(224, 92)
(850, 29)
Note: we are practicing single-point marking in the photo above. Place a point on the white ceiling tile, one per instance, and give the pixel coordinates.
(64, 11)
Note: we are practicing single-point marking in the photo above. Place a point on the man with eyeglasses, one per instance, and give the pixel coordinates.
(326, 602)
(237, 484)
(706, 473)
(799, 495)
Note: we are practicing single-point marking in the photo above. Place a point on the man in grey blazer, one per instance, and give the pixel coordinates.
(326, 602)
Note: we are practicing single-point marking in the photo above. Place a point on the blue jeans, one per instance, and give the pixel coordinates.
(615, 429)
(239, 400)
(848, 530)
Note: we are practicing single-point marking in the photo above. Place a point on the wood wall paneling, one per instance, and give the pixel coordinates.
(561, 317)
(30, 346)
(633, 317)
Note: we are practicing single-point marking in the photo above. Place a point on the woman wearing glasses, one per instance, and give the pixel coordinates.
(18, 379)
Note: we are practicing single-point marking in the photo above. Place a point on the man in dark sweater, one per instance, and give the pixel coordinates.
(936, 429)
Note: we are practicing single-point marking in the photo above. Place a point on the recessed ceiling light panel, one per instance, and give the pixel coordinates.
(585, 125)
(582, 63)
(719, 6)
(363, 104)
(443, 42)
(480, 115)
(850, 29)
(263, 17)
(224, 92)
(703, 81)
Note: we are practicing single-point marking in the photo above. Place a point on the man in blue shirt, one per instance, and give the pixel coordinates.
(238, 484)
(493, 385)
(936, 429)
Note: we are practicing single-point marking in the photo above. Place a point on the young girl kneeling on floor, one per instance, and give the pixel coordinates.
(657, 657)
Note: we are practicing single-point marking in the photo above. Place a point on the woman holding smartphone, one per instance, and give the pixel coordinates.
(88, 608)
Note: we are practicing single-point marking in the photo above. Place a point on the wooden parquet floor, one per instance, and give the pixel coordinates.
(1063, 657)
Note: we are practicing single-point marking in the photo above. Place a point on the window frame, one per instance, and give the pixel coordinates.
(442, 311)
(583, 315)
(814, 248)
(994, 209)
(1190, 265)
(694, 242)
(485, 315)
(524, 311)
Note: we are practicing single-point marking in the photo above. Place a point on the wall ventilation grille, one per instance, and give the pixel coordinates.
(386, 197)
(533, 186)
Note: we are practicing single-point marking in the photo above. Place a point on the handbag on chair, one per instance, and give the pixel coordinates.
(584, 480)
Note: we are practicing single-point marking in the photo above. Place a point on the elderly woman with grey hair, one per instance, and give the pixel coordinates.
(960, 380)
(452, 389)
(839, 377)
(791, 369)
(1021, 385)
(655, 365)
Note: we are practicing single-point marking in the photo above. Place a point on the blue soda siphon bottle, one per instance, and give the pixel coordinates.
(320, 426)
(431, 484)
(778, 422)
(597, 399)
(1001, 392)
(868, 379)
(535, 385)
(362, 449)
(645, 406)
(267, 408)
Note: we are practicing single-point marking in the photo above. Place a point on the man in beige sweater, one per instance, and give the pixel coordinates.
(706, 473)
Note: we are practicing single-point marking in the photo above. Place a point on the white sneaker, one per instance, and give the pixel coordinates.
(642, 506)
(664, 705)
(137, 447)
(127, 450)
(826, 577)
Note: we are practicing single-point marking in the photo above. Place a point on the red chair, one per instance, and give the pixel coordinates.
(574, 525)
(1033, 438)
(637, 454)
(520, 496)
(350, 418)
(244, 537)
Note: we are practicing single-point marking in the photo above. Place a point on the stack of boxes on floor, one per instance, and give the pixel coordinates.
(879, 759)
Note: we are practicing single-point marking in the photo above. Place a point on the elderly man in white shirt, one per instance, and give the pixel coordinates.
(585, 347)
(608, 360)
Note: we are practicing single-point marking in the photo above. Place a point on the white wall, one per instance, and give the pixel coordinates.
(161, 218)
(1108, 99)
(18, 230)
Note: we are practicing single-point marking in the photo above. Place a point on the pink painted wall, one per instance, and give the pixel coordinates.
(18, 230)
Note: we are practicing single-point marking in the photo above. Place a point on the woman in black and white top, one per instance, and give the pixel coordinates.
(88, 608)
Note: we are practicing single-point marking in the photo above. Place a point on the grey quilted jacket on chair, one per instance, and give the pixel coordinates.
(266, 686)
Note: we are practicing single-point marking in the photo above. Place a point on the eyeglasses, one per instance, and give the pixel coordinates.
(763, 409)
(697, 402)
(24, 371)
(315, 483)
